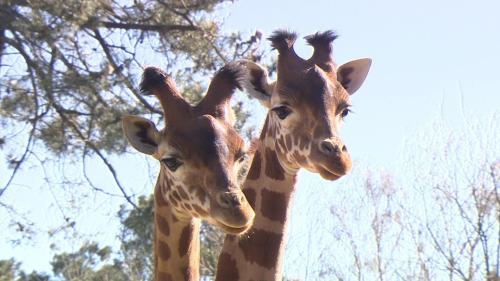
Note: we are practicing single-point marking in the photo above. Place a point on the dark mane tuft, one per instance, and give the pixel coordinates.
(320, 39)
(152, 78)
(282, 39)
(232, 74)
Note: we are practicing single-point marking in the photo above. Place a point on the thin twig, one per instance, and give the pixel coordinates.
(150, 27)
(97, 35)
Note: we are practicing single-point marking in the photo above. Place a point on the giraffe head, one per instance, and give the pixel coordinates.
(308, 103)
(199, 150)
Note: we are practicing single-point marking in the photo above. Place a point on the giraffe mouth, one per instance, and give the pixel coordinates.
(232, 229)
(328, 174)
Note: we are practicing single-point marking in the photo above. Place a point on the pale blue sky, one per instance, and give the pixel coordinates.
(430, 60)
(425, 54)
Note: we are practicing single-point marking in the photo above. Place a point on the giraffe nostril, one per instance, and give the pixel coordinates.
(328, 147)
(229, 200)
(344, 148)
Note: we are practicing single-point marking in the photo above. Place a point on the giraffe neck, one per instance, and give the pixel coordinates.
(258, 254)
(176, 242)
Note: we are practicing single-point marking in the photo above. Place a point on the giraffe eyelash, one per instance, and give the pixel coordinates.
(172, 163)
(345, 112)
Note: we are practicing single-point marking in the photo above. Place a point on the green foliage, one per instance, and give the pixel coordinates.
(77, 73)
(33, 276)
(10, 271)
(87, 264)
(212, 240)
(137, 239)
(134, 261)
(72, 77)
(137, 242)
(70, 69)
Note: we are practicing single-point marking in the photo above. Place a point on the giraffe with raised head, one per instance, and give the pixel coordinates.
(199, 153)
(307, 103)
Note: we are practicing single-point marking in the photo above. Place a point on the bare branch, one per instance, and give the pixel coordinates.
(116, 67)
(30, 138)
(150, 27)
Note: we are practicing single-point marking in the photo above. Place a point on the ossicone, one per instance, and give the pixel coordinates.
(322, 44)
(157, 82)
(283, 40)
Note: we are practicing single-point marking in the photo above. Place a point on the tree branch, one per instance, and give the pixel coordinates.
(150, 27)
(109, 56)
(31, 134)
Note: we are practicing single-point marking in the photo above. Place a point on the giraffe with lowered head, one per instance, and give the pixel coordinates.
(199, 153)
(307, 103)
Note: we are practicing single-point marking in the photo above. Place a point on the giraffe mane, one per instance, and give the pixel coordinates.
(282, 39)
(234, 74)
(153, 78)
(321, 39)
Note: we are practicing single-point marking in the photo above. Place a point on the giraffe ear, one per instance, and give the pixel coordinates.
(257, 82)
(141, 133)
(352, 74)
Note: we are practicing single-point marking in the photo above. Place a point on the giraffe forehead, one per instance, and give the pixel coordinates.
(316, 91)
(204, 139)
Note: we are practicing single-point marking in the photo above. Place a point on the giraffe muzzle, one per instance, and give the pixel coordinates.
(331, 158)
(230, 199)
(332, 147)
(232, 212)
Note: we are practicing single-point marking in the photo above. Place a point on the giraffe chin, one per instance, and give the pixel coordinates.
(233, 230)
(328, 175)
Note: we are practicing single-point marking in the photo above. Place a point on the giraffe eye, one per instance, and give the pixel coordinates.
(171, 163)
(345, 112)
(241, 157)
(282, 111)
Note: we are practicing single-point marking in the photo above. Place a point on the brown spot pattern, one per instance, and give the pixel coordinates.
(185, 240)
(172, 199)
(183, 194)
(200, 211)
(288, 140)
(169, 182)
(273, 166)
(254, 172)
(163, 276)
(250, 195)
(162, 225)
(299, 158)
(253, 247)
(176, 195)
(189, 273)
(303, 143)
(274, 205)
(279, 151)
(281, 143)
(163, 250)
(159, 200)
(227, 268)
(264, 129)
(274, 131)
